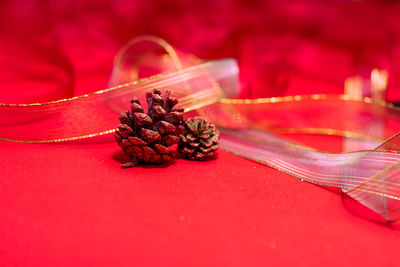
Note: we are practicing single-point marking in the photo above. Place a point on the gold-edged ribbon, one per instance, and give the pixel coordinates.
(248, 126)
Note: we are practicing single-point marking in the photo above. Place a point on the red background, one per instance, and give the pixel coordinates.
(71, 204)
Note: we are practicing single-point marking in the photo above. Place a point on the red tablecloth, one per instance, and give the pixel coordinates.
(71, 204)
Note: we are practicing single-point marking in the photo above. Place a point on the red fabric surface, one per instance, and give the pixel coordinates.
(71, 204)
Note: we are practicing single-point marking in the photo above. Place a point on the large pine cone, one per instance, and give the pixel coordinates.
(200, 139)
(146, 137)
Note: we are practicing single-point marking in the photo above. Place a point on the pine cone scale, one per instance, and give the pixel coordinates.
(136, 141)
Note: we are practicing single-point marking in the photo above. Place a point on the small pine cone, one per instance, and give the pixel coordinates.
(146, 137)
(200, 139)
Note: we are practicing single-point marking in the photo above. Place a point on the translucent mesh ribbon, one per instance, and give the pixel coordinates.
(371, 177)
(247, 126)
(96, 114)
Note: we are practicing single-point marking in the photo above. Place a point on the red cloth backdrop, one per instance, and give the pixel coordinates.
(71, 204)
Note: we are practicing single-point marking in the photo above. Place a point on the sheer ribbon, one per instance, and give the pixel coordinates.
(248, 126)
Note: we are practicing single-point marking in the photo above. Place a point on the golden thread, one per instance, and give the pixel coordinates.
(58, 140)
(297, 98)
(326, 131)
(57, 108)
(142, 80)
(369, 180)
(388, 140)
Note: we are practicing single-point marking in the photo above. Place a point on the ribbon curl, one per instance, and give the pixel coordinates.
(371, 176)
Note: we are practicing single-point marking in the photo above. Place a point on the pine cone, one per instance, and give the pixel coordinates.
(200, 139)
(146, 137)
